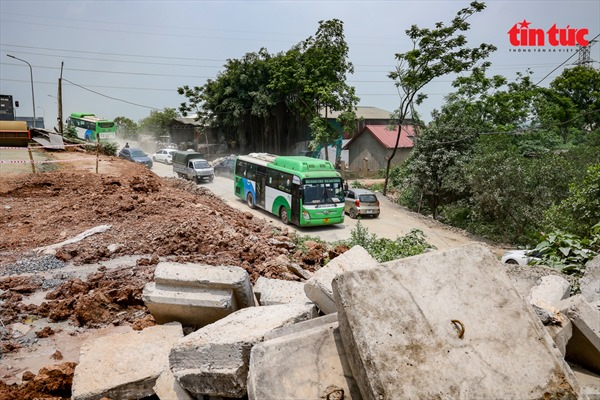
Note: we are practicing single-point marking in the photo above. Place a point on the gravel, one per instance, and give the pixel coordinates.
(32, 264)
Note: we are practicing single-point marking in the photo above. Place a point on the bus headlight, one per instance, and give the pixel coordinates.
(305, 215)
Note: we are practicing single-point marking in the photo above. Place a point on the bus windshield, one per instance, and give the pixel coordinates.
(323, 191)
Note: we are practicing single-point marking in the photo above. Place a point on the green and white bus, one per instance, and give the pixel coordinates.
(302, 190)
(90, 127)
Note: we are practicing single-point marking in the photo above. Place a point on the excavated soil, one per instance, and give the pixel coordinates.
(151, 219)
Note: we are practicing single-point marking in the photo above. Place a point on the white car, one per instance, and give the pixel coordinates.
(164, 156)
(520, 257)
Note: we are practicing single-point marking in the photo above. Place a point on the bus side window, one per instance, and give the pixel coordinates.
(251, 172)
(240, 168)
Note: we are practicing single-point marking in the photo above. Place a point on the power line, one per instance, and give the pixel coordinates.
(564, 62)
(390, 66)
(110, 97)
(112, 54)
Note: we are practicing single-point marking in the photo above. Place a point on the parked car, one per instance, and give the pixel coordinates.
(225, 167)
(164, 156)
(520, 257)
(135, 155)
(361, 202)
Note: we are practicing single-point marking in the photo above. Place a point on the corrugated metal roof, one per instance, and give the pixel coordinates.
(362, 112)
(386, 137)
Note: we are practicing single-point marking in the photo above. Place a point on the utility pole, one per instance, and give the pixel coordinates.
(60, 114)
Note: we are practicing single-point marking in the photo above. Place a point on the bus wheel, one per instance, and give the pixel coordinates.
(250, 200)
(283, 215)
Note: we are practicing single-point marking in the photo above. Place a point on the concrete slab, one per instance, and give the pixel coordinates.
(302, 326)
(214, 360)
(318, 287)
(446, 324)
(167, 388)
(590, 281)
(270, 292)
(196, 294)
(584, 346)
(124, 366)
(561, 332)
(590, 382)
(545, 296)
(310, 364)
(190, 306)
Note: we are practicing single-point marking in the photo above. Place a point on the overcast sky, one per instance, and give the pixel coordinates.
(129, 57)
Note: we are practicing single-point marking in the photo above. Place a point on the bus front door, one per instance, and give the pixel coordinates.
(261, 180)
(295, 204)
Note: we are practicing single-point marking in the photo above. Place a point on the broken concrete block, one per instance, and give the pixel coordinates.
(309, 364)
(561, 331)
(318, 287)
(167, 388)
(446, 324)
(589, 382)
(270, 292)
(584, 346)
(196, 294)
(301, 326)
(544, 297)
(590, 281)
(214, 359)
(526, 277)
(299, 271)
(124, 366)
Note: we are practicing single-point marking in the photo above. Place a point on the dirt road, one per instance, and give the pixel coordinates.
(394, 220)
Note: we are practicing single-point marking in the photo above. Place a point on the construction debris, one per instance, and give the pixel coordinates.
(124, 366)
(196, 294)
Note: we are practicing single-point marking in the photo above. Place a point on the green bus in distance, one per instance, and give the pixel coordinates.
(301, 190)
(90, 127)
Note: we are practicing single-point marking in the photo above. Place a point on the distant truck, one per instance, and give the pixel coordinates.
(191, 165)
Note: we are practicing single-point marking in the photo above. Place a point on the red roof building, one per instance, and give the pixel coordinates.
(369, 149)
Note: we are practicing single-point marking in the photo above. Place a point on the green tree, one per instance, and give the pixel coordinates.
(436, 52)
(157, 123)
(570, 105)
(435, 168)
(581, 85)
(579, 212)
(264, 101)
(326, 66)
(509, 192)
(126, 127)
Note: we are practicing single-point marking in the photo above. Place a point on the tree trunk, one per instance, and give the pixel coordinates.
(389, 159)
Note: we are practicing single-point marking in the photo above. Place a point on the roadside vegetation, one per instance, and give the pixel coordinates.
(381, 249)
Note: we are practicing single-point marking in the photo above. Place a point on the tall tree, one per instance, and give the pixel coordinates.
(157, 123)
(266, 100)
(126, 127)
(326, 65)
(572, 101)
(436, 52)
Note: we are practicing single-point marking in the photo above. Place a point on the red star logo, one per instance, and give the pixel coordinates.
(524, 24)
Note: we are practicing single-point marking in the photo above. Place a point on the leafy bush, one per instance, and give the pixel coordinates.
(578, 212)
(383, 249)
(568, 253)
(300, 241)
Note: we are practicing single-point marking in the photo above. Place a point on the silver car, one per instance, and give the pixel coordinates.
(361, 202)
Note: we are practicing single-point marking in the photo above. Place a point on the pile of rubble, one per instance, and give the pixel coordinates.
(445, 324)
